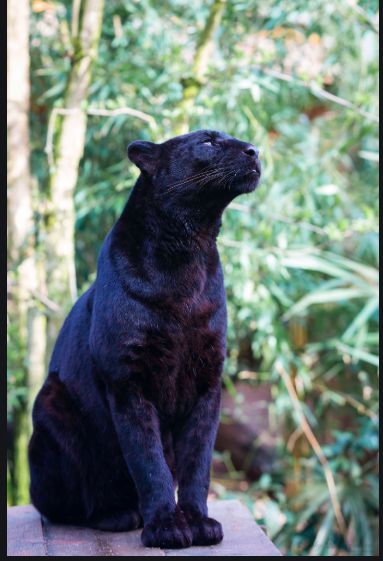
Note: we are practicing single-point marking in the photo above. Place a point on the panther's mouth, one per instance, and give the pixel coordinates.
(257, 168)
(253, 173)
(251, 178)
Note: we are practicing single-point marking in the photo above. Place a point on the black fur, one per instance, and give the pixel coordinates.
(131, 402)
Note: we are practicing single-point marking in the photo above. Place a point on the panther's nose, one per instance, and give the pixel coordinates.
(251, 151)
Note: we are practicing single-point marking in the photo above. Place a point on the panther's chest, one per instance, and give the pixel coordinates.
(187, 351)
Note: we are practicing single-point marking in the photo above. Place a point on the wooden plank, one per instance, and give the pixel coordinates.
(24, 532)
(29, 536)
(86, 542)
(69, 540)
(129, 543)
(242, 536)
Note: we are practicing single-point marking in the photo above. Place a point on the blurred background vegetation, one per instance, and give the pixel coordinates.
(298, 441)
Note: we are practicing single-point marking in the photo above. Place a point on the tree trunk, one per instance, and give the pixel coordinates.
(193, 83)
(24, 280)
(68, 147)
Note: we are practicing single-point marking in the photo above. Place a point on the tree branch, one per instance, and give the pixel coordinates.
(90, 111)
(363, 14)
(317, 91)
(281, 218)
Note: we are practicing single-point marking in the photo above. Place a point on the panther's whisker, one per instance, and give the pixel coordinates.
(225, 178)
(221, 178)
(202, 182)
(195, 176)
(200, 175)
(230, 184)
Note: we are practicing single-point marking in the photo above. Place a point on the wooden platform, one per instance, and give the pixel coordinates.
(28, 535)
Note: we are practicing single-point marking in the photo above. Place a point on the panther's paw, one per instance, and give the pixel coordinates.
(206, 531)
(168, 531)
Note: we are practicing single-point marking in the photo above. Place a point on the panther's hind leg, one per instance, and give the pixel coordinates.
(55, 486)
(76, 477)
(117, 521)
(58, 458)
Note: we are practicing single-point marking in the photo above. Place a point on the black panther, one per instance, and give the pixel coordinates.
(130, 406)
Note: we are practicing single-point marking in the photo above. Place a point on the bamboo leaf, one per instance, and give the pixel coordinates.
(323, 535)
(358, 354)
(326, 297)
(361, 319)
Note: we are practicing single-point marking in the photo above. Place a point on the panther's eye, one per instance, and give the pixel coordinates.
(207, 142)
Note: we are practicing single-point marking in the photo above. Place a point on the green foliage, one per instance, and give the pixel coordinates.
(300, 255)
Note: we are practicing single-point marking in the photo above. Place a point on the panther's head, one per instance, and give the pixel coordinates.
(198, 166)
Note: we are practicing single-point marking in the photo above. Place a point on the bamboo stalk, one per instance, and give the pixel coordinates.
(193, 83)
(25, 272)
(67, 139)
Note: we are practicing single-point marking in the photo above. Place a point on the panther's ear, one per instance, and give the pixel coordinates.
(145, 155)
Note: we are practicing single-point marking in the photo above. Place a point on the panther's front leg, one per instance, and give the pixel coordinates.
(137, 426)
(194, 444)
